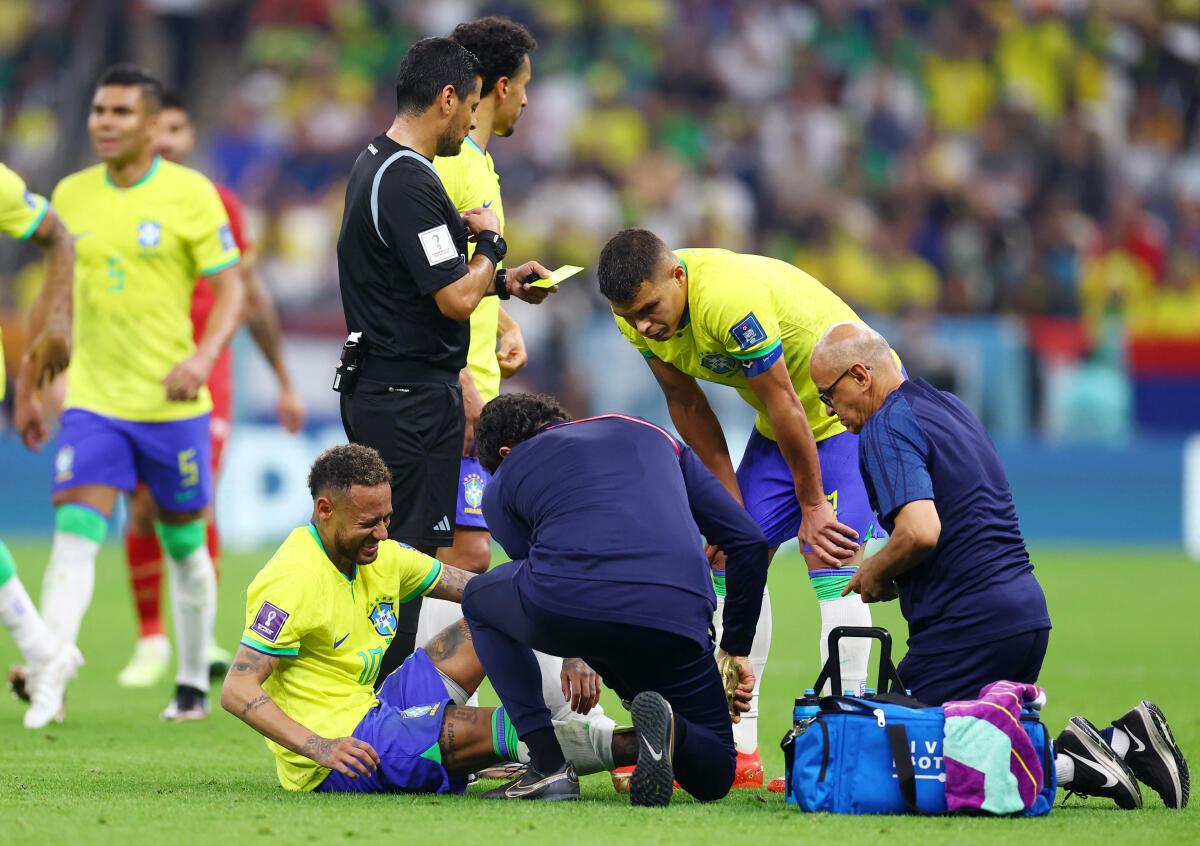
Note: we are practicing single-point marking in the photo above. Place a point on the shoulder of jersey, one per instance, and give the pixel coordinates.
(184, 175)
(82, 180)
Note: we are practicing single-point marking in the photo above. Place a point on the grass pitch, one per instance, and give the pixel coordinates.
(115, 774)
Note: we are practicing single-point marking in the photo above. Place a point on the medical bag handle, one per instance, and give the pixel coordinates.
(888, 679)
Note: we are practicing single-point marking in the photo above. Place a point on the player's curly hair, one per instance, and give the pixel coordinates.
(339, 468)
(627, 260)
(130, 75)
(499, 43)
(511, 419)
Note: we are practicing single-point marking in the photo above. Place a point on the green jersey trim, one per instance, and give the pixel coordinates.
(258, 646)
(145, 177)
(213, 271)
(430, 581)
(312, 530)
(646, 353)
(37, 220)
(471, 141)
(758, 353)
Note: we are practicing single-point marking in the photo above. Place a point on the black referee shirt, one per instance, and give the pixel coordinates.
(402, 239)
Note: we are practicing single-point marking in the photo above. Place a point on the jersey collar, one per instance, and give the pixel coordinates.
(471, 141)
(687, 307)
(145, 178)
(312, 530)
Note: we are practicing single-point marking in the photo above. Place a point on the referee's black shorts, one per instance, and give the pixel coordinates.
(418, 429)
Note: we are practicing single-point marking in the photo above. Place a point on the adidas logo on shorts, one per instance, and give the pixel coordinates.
(443, 525)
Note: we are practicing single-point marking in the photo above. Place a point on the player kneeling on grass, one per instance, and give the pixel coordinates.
(958, 564)
(320, 615)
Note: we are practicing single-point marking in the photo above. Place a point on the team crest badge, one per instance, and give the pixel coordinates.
(420, 711)
(473, 489)
(383, 617)
(149, 233)
(718, 363)
(64, 464)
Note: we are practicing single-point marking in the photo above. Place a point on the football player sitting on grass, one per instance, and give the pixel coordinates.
(320, 615)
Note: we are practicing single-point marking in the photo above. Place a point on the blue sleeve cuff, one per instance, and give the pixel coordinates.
(761, 364)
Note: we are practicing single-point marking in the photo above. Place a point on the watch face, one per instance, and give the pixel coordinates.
(501, 245)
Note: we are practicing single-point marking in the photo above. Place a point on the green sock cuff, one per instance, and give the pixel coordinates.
(8, 567)
(79, 520)
(505, 743)
(179, 540)
(829, 584)
(718, 577)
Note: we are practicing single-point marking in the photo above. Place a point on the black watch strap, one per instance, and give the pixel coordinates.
(502, 284)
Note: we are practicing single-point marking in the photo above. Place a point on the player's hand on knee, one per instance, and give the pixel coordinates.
(348, 755)
(716, 556)
(832, 542)
(580, 685)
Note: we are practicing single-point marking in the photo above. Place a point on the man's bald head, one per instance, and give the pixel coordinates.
(844, 344)
(854, 370)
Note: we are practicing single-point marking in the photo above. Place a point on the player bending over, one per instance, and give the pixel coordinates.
(750, 323)
(319, 617)
(28, 216)
(174, 141)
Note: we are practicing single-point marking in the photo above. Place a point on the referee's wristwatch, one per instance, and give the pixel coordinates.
(502, 284)
(492, 245)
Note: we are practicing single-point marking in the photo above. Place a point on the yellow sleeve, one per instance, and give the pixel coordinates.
(418, 572)
(277, 612)
(742, 317)
(633, 336)
(21, 211)
(211, 240)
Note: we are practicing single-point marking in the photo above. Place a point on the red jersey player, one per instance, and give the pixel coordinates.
(175, 141)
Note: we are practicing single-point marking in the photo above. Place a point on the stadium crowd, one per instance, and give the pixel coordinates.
(1036, 157)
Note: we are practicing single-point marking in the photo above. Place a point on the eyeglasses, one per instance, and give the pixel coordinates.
(826, 396)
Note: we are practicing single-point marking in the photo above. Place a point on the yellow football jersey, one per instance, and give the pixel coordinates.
(471, 181)
(744, 312)
(331, 632)
(21, 213)
(138, 253)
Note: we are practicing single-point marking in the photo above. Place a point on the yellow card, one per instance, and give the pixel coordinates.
(563, 273)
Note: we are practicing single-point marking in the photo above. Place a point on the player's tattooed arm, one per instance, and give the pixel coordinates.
(452, 584)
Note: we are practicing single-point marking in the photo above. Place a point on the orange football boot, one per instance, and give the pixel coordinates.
(749, 772)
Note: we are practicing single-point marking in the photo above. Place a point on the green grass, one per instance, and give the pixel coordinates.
(115, 774)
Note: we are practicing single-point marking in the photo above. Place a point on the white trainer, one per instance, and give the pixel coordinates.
(47, 685)
(149, 664)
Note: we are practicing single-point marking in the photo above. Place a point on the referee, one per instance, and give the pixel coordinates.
(408, 292)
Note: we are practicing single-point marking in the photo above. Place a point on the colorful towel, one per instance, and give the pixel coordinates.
(991, 764)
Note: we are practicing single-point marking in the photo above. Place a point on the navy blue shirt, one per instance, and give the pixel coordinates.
(604, 518)
(977, 585)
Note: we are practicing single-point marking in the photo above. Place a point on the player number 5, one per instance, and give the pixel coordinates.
(189, 470)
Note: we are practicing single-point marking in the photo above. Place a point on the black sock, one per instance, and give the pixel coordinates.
(545, 755)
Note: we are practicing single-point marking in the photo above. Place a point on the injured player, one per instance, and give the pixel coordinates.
(319, 616)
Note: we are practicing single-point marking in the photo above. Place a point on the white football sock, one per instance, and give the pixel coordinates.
(745, 732)
(194, 607)
(68, 584)
(1119, 743)
(1064, 770)
(560, 709)
(436, 616)
(585, 743)
(20, 616)
(856, 652)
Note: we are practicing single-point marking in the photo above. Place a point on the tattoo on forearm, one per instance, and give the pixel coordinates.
(446, 642)
(452, 583)
(255, 703)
